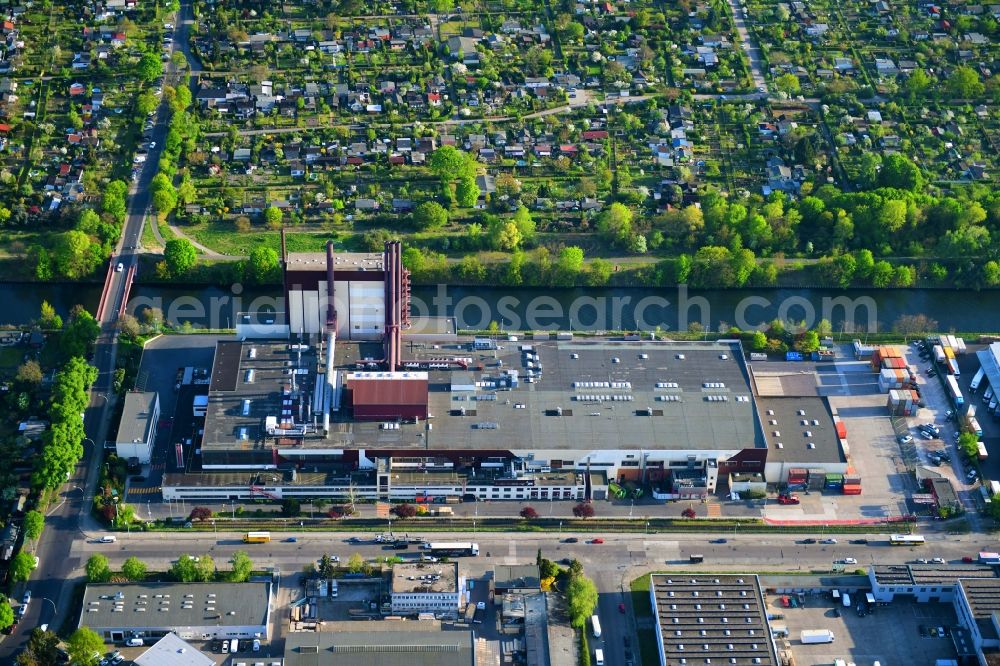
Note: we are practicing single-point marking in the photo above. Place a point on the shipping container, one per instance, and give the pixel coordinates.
(974, 427)
(961, 348)
(981, 448)
(851, 490)
(939, 353)
(949, 353)
(862, 350)
(953, 343)
(953, 367)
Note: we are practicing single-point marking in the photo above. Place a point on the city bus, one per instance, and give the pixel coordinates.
(257, 537)
(906, 540)
(452, 549)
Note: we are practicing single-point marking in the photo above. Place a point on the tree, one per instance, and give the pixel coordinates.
(149, 67)
(164, 194)
(34, 523)
(42, 648)
(808, 343)
(864, 263)
(98, 569)
(21, 566)
(262, 265)
(688, 513)
(290, 507)
(529, 513)
(584, 510)
(759, 341)
(882, 274)
(327, 567)
(615, 223)
(204, 568)
(404, 510)
(900, 172)
(30, 372)
(184, 569)
(146, 103)
(6, 614)
(242, 567)
(134, 569)
(273, 217)
(85, 646)
(788, 83)
(569, 265)
(581, 600)
(467, 192)
(180, 255)
(200, 513)
(599, 272)
(450, 163)
(430, 215)
(49, 319)
(964, 83)
(74, 255)
(80, 334)
(355, 563)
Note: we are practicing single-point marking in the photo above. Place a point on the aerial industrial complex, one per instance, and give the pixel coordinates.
(339, 398)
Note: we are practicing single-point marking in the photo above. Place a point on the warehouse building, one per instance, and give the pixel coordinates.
(389, 643)
(977, 605)
(193, 611)
(553, 419)
(718, 619)
(924, 582)
(427, 588)
(137, 428)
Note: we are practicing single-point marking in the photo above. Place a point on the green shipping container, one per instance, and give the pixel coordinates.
(834, 478)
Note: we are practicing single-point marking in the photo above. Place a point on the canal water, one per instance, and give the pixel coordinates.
(668, 309)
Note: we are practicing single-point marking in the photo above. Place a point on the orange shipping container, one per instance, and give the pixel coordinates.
(841, 430)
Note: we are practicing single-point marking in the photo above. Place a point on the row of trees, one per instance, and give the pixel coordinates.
(42, 648)
(63, 442)
(186, 569)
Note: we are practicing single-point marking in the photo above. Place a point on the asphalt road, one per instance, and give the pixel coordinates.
(612, 564)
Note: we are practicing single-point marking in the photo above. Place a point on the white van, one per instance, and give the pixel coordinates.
(234, 646)
(599, 657)
(107, 539)
(846, 600)
(133, 642)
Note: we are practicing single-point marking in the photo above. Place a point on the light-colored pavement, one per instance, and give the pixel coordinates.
(749, 47)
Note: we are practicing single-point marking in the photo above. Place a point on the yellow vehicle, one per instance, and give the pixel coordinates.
(257, 537)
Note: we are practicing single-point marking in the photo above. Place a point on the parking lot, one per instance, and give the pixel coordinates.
(157, 372)
(890, 634)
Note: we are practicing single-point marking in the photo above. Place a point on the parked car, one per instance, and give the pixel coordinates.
(570, 540)
(860, 542)
(829, 541)
(597, 541)
(905, 439)
(848, 560)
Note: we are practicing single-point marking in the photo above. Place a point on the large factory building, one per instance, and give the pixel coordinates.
(340, 398)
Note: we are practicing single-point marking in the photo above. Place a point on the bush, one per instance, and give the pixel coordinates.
(584, 648)
(404, 510)
(529, 513)
(584, 510)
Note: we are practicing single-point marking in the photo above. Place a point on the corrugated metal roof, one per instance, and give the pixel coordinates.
(378, 391)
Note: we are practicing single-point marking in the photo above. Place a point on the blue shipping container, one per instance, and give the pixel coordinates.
(793, 356)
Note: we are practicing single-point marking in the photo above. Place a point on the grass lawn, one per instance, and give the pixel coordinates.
(10, 359)
(649, 652)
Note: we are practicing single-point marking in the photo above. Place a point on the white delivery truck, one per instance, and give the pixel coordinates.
(599, 657)
(813, 636)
